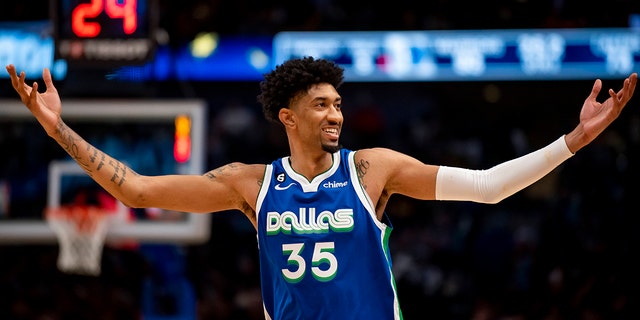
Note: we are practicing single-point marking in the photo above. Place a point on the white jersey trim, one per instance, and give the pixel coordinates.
(266, 181)
(368, 204)
(266, 314)
(311, 186)
(362, 194)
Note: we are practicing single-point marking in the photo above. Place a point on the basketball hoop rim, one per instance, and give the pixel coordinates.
(86, 218)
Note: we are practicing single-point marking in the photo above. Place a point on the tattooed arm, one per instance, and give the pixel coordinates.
(221, 189)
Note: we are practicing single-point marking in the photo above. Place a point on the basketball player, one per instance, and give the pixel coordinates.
(320, 212)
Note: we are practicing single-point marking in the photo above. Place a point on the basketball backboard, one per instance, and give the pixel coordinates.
(35, 173)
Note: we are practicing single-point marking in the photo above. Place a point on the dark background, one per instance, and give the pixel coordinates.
(561, 249)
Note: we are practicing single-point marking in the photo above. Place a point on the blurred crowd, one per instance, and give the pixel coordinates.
(559, 250)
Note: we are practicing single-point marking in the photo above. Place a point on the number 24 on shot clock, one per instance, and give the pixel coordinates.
(116, 31)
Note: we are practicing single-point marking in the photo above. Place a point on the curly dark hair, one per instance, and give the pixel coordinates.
(292, 78)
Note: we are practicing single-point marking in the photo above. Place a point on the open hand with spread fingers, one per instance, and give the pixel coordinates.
(46, 106)
(596, 116)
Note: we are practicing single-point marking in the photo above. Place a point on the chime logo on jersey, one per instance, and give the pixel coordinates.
(308, 221)
(335, 184)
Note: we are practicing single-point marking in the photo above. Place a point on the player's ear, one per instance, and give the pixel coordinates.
(287, 117)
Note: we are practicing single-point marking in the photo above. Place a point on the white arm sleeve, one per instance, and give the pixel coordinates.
(495, 184)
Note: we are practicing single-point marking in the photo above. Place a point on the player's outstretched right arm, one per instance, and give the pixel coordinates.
(47, 108)
(214, 191)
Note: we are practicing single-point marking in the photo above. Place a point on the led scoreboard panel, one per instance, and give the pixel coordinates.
(470, 55)
(104, 31)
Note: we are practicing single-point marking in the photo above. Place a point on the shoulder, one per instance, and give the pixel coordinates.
(389, 165)
(382, 156)
(377, 164)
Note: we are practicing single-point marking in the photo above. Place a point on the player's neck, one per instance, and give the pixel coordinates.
(311, 164)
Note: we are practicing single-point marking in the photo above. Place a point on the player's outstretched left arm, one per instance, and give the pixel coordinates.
(505, 179)
(412, 178)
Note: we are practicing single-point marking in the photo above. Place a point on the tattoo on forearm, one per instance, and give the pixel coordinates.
(119, 172)
(91, 149)
(68, 142)
(361, 169)
(102, 156)
(93, 156)
(96, 154)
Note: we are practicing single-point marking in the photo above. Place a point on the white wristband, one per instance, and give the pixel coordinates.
(501, 181)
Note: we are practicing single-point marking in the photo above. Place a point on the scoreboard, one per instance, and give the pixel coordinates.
(104, 32)
(470, 55)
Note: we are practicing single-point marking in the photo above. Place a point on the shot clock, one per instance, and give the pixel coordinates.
(104, 32)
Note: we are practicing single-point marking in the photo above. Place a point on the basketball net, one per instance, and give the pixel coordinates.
(81, 231)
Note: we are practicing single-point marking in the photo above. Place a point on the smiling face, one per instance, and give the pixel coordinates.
(317, 117)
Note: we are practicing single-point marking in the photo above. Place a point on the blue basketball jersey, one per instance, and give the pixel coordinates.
(323, 252)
